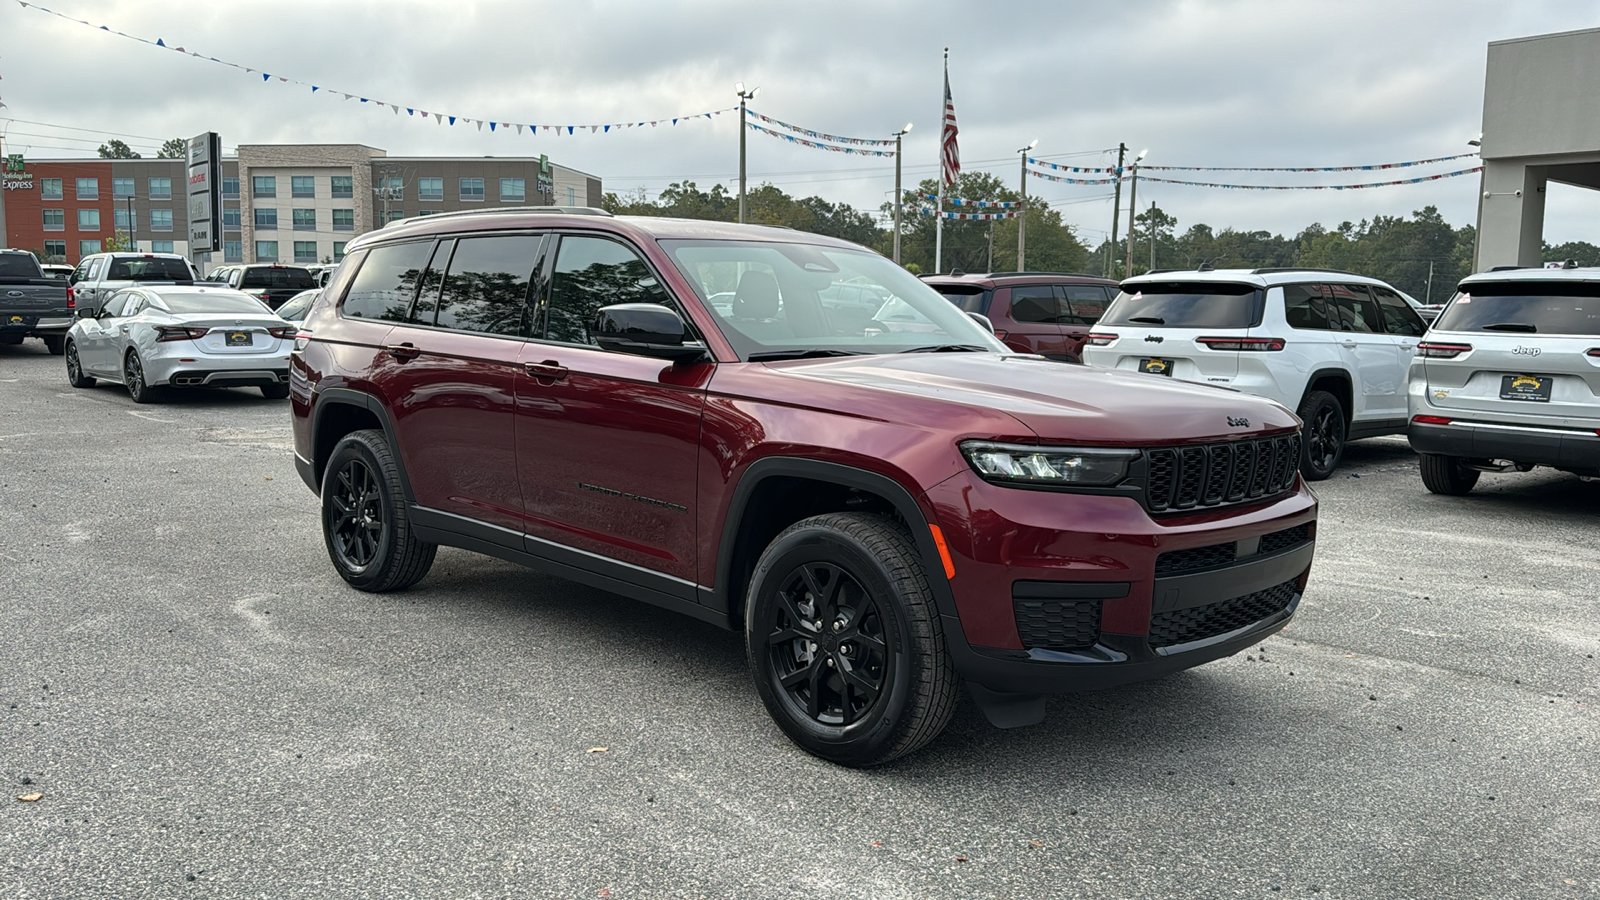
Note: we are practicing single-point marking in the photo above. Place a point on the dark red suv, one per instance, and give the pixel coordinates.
(1048, 313)
(710, 418)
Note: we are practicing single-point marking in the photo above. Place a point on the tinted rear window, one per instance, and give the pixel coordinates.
(966, 297)
(18, 265)
(214, 303)
(285, 277)
(1523, 307)
(153, 269)
(1186, 305)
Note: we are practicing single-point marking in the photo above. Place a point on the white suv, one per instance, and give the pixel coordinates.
(1509, 378)
(1330, 345)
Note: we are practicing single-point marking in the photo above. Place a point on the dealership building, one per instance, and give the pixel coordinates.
(285, 203)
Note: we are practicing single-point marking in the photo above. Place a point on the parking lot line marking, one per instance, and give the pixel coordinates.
(135, 413)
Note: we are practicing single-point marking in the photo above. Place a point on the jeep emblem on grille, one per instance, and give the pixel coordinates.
(1153, 338)
(1239, 422)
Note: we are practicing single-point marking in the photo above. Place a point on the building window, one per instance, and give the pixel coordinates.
(88, 189)
(88, 220)
(572, 196)
(266, 251)
(122, 187)
(232, 251)
(343, 186)
(160, 220)
(55, 220)
(429, 212)
(338, 251)
(264, 185)
(395, 215)
(344, 220)
(230, 187)
(392, 188)
(302, 186)
(161, 247)
(55, 250)
(230, 220)
(430, 188)
(513, 189)
(161, 189)
(305, 251)
(305, 219)
(50, 189)
(472, 189)
(88, 248)
(267, 219)
(124, 219)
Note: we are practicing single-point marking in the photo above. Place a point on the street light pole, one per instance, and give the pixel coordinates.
(1022, 211)
(898, 196)
(1133, 206)
(744, 124)
(133, 234)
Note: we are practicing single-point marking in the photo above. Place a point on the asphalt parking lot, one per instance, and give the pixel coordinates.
(208, 710)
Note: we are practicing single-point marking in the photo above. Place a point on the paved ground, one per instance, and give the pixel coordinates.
(209, 711)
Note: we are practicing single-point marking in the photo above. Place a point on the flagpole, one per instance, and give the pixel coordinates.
(938, 209)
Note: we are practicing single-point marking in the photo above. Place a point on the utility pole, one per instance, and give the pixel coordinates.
(1429, 299)
(133, 234)
(899, 196)
(990, 267)
(1116, 213)
(1133, 206)
(1152, 236)
(1022, 210)
(744, 125)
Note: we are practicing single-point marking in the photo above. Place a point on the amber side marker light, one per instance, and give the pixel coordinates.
(944, 551)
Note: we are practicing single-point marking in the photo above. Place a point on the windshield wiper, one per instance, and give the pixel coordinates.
(1153, 320)
(948, 348)
(809, 353)
(1510, 326)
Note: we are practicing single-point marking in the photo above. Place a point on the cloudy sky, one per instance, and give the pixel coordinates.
(1198, 82)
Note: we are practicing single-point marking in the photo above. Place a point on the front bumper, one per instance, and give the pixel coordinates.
(1560, 448)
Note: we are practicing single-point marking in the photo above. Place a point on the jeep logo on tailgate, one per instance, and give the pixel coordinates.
(1154, 338)
(1526, 351)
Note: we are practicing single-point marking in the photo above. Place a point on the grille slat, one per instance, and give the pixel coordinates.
(1283, 540)
(1058, 624)
(1174, 561)
(1204, 475)
(1201, 622)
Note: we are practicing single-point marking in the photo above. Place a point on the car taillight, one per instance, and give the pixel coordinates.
(1593, 351)
(1241, 343)
(179, 333)
(1099, 340)
(1001, 334)
(284, 334)
(1431, 420)
(1435, 350)
(72, 297)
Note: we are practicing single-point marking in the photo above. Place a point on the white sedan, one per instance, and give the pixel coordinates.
(152, 337)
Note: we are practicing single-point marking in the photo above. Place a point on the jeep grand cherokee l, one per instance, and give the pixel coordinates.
(884, 505)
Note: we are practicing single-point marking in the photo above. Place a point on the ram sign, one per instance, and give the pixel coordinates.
(205, 193)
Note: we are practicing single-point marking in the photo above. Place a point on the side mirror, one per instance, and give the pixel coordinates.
(643, 329)
(87, 312)
(982, 320)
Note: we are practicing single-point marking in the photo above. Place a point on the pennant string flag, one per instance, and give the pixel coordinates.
(325, 90)
(959, 202)
(1314, 187)
(864, 142)
(1102, 170)
(815, 145)
(1065, 180)
(965, 216)
(1394, 165)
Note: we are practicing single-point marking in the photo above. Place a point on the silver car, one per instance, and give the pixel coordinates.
(159, 336)
(1508, 378)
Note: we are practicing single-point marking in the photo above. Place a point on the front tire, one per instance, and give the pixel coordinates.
(1446, 474)
(844, 641)
(365, 523)
(1322, 445)
(54, 343)
(75, 376)
(133, 377)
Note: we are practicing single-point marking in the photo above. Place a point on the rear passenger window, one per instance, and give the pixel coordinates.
(387, 282)
(1086, 303)
(1034, 303)
(591, 273)
(1306, 306)
(486, 287)
(1355, 309)
(1398, 316)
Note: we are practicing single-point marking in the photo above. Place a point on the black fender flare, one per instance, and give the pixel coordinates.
(332, 397)
(1342, 374)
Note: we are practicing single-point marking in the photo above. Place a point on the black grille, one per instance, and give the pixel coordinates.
(1058, 624)
(1174, 561)
(1213, 474)
(1283, 540)
(1201, 622)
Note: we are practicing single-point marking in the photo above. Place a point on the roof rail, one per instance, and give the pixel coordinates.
(1274, 270)
(1507, 268)
(1014, 274)
(549, 210)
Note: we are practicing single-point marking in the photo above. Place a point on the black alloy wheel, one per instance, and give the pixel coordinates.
(826, 644)
(354, 509)
(133, 378)
(75, 376)
(1324, 435)
(365, 522)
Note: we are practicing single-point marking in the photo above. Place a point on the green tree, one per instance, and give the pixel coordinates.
(119, 242)
(115, 149)
(985, 245)
(174, 148)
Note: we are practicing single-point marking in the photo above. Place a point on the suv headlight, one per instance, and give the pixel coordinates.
(1025, 464)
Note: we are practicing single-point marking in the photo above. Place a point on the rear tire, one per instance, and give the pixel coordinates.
(844, 640)
(54, 343)
(75, 376)
(365, 523)
(275, 391)
(1446, 474)
(133, 377)
(1322, 444)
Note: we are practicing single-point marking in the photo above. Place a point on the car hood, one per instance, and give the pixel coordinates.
(1057, 401)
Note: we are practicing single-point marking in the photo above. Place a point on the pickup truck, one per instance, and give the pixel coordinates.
(102, 274)
(32, 305)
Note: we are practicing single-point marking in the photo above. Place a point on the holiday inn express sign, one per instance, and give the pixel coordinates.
(16, 178)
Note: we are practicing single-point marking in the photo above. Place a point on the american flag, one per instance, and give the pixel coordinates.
(950, 154)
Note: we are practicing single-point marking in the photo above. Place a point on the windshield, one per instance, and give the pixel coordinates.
(771, 298)
(278, 277)
(1168, 304)
(155, 268)
(229, 302)
(297, 306)
(1531, 308)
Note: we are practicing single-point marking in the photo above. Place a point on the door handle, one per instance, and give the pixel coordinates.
(1349, 345)
(1408, 346)
(549, 370)
(403, 352)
